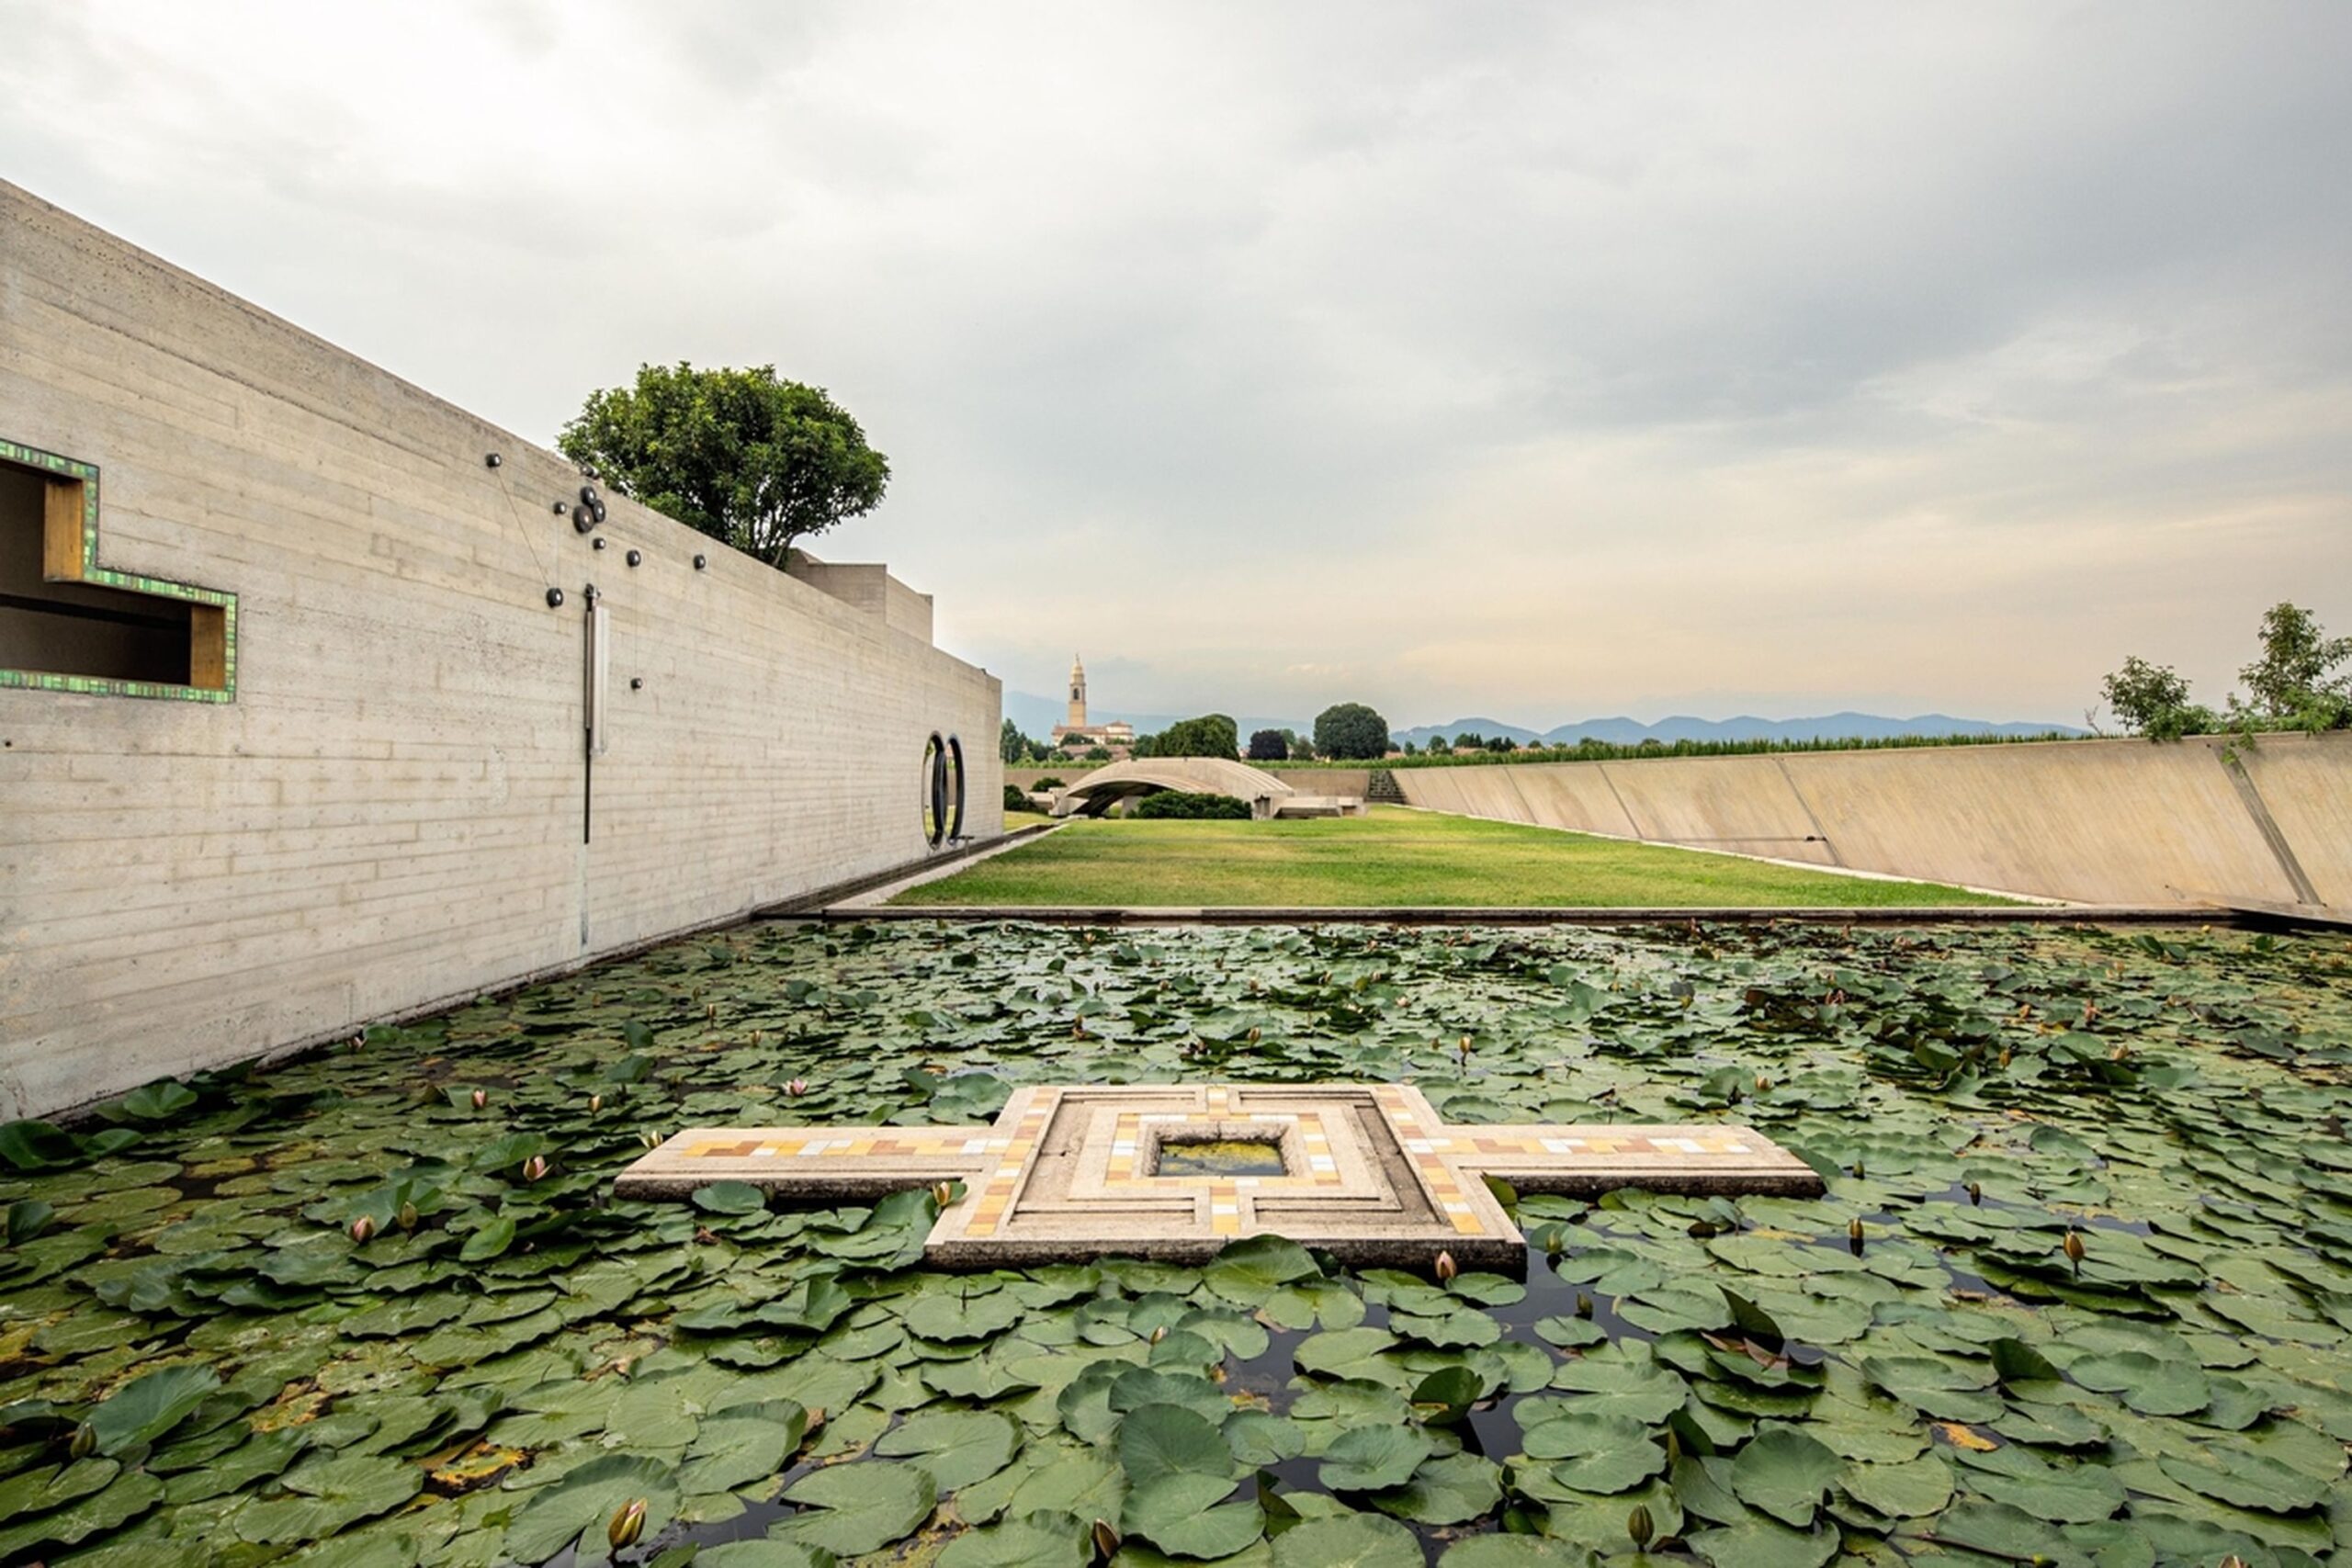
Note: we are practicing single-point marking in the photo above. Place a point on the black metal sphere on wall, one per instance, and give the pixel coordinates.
(637, 557)
(555, 598)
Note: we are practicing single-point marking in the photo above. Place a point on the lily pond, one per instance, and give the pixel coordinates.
(2080, 1292)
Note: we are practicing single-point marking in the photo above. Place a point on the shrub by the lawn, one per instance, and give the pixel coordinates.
(1195, 808)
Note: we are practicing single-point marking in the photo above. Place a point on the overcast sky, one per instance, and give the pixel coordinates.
(1539, 362)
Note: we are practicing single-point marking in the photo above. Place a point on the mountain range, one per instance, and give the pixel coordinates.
(1682, 726)
(1037, 715)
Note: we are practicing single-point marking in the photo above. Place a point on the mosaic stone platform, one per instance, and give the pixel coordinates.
(1370, 1172)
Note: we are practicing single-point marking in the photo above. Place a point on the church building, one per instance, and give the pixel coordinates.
(1118, 735)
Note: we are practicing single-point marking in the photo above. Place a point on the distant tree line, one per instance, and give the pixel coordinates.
(2299, 680)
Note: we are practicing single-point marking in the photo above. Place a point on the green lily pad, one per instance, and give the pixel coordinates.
(851, 1508)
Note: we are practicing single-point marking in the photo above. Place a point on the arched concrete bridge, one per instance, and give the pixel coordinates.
(1267, 795)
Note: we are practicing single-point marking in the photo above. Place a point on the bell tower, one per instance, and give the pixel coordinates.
(1077, 720)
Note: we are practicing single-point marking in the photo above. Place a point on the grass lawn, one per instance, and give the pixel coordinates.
(1394, 856)
(1016, 820)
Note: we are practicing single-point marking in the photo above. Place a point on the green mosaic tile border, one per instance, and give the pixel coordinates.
(130, 581)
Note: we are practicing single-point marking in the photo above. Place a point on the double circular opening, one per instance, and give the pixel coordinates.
(943, 805)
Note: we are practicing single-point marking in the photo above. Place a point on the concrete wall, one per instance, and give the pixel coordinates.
(390, 813)
(2114, 822)
(869, 588)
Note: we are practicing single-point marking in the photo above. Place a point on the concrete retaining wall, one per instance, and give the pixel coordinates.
(395, 809)
(2116, 821)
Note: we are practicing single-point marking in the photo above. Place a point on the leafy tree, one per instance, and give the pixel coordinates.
(1211, 735)
(1268, 746)
(1411, 750)
(1469, 741)
(2153, 700)
(1014, 747)
(1048, 782)
(2293, 682)
(1072, 742)
(1440, 746)
(1302, 750)
(1502, 743)
(1098, 754)
(1017, 799)
(742, 455)
(1351, 732)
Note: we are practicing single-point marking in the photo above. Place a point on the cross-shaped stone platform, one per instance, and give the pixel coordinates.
(1368, 1172)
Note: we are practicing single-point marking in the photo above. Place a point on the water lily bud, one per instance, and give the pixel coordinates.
(1445, 1268)
(595, 1103)
(363, 1228)
(1159, 1334)
(1106, 1540)
(943, 1193)
(1673, 1444)
(2073, 1250)
(2120, 1051)
(1762, 1083)
(1638, 1526)
(650, 1140)
(481, 1097)
(1976, 1192)
(628, 1524)
(407, 1217)
(796, 1088)
(1854, 1232)
(2005, 1056)
(1253, 1035)
(1584, 1304)
(710, 1013)
(1858, 1167)
(84, 1442)
(534, 1167)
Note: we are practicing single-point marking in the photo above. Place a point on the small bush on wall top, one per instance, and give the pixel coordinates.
(1177, 803)
(1017, 799)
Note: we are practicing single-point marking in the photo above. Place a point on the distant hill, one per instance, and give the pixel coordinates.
(1681, 726)
(1037, 715)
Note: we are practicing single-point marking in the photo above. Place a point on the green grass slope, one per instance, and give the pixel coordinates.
(1392, 857)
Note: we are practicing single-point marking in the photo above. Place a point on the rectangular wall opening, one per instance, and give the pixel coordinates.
(75, 629)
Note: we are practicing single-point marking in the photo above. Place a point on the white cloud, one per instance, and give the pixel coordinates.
(1529, 361)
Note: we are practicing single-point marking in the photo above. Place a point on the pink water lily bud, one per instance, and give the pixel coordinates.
(363, 1228)
(481, 1097)
(796, 1088)
(534, 1167)
(1445, 1266)
(628, 1524)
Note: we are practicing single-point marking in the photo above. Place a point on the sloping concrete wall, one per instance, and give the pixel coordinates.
(396, 809)
(2117, 821)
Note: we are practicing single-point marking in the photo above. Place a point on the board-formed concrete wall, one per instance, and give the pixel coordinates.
(395, 809)
(2108, 822)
